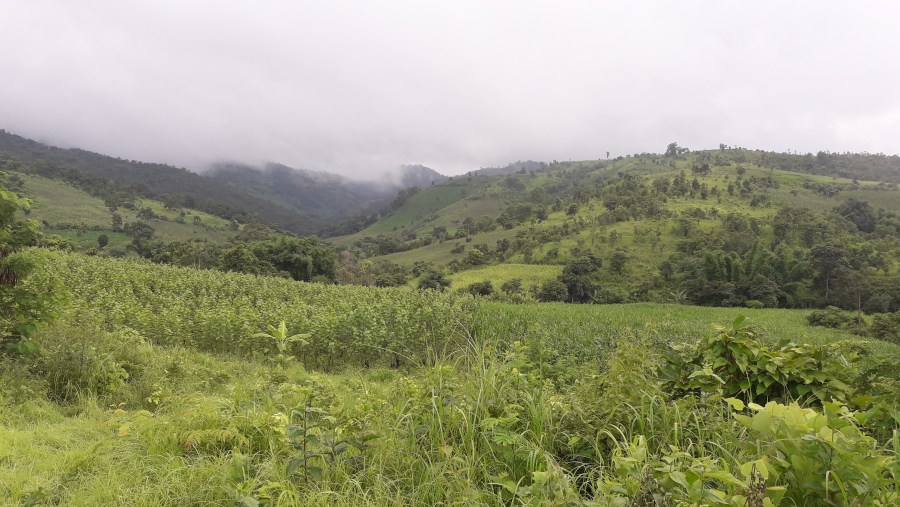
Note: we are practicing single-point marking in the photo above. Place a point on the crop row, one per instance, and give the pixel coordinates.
(221, 312)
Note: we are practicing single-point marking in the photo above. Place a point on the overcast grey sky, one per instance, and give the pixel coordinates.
(356, 87)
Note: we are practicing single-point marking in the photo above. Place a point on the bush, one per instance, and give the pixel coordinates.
(886, 326)
(823, 455)
(434, 279)
(485, 288)
(77, 355)
(734, 362)
(832, 317)
(607, 296)
(553, 291)
(513, 286)
(24, 305)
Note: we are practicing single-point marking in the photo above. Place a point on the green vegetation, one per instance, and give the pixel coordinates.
(172, 386)
(115, 179)
(732, 227)
(257, 368)
(528, 274)
(80, 217)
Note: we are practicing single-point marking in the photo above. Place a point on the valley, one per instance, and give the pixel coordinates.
(699, 328)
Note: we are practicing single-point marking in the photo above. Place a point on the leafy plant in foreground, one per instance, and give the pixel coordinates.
(322, 438)
(733, 362)
(677, 477)
(283, 343)
(823, 455)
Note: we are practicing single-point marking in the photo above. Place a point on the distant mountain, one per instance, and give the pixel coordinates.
(156, 180)
(294, 200)
(419, 176)
(326, 196)
(344, 205)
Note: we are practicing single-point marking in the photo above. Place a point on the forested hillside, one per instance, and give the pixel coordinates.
(327, 197)
(297, 201)
(728, 227)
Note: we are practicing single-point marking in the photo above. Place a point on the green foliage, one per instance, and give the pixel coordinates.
(23, 307)
(733, 362)
(484, 288)
(886, 326)
(89, 359)
(222, 312)
(284, 343)
(434, 280)
(553, 290)
(823, 456)
(514, 417)
(577, 276)
(859, 212)
(678, 478)
(322, 439)
(831, 316)
(513, 286)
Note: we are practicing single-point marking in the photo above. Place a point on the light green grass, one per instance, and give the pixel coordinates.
(441, 252)
(453, 216)
(591, 329)
(529, 274)
(88, 239)
(58, 203)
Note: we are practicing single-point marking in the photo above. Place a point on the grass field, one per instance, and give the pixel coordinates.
(58, 203)
(598, 326)
(529, 274)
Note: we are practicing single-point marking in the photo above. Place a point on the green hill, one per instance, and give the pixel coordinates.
(297, 201)
(74, 214)
(648, 210)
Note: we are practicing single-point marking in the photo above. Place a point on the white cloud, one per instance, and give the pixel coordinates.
(357, 87)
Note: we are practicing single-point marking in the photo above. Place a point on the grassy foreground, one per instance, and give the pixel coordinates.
(519, 405)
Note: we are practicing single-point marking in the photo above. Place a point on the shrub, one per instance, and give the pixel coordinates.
(77, 355)
(822, 455)
(24, 306)
(553, 291)
(485, 288)
(886, 326)
(608, 296)
(831, 317)
(513, 286)
(434, 279)
(733, 362)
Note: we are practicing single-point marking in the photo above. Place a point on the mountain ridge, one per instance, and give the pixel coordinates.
(295, 200)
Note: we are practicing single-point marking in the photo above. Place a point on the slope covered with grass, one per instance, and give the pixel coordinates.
(73, 213)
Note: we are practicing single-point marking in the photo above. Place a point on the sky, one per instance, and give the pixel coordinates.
(359, 87)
